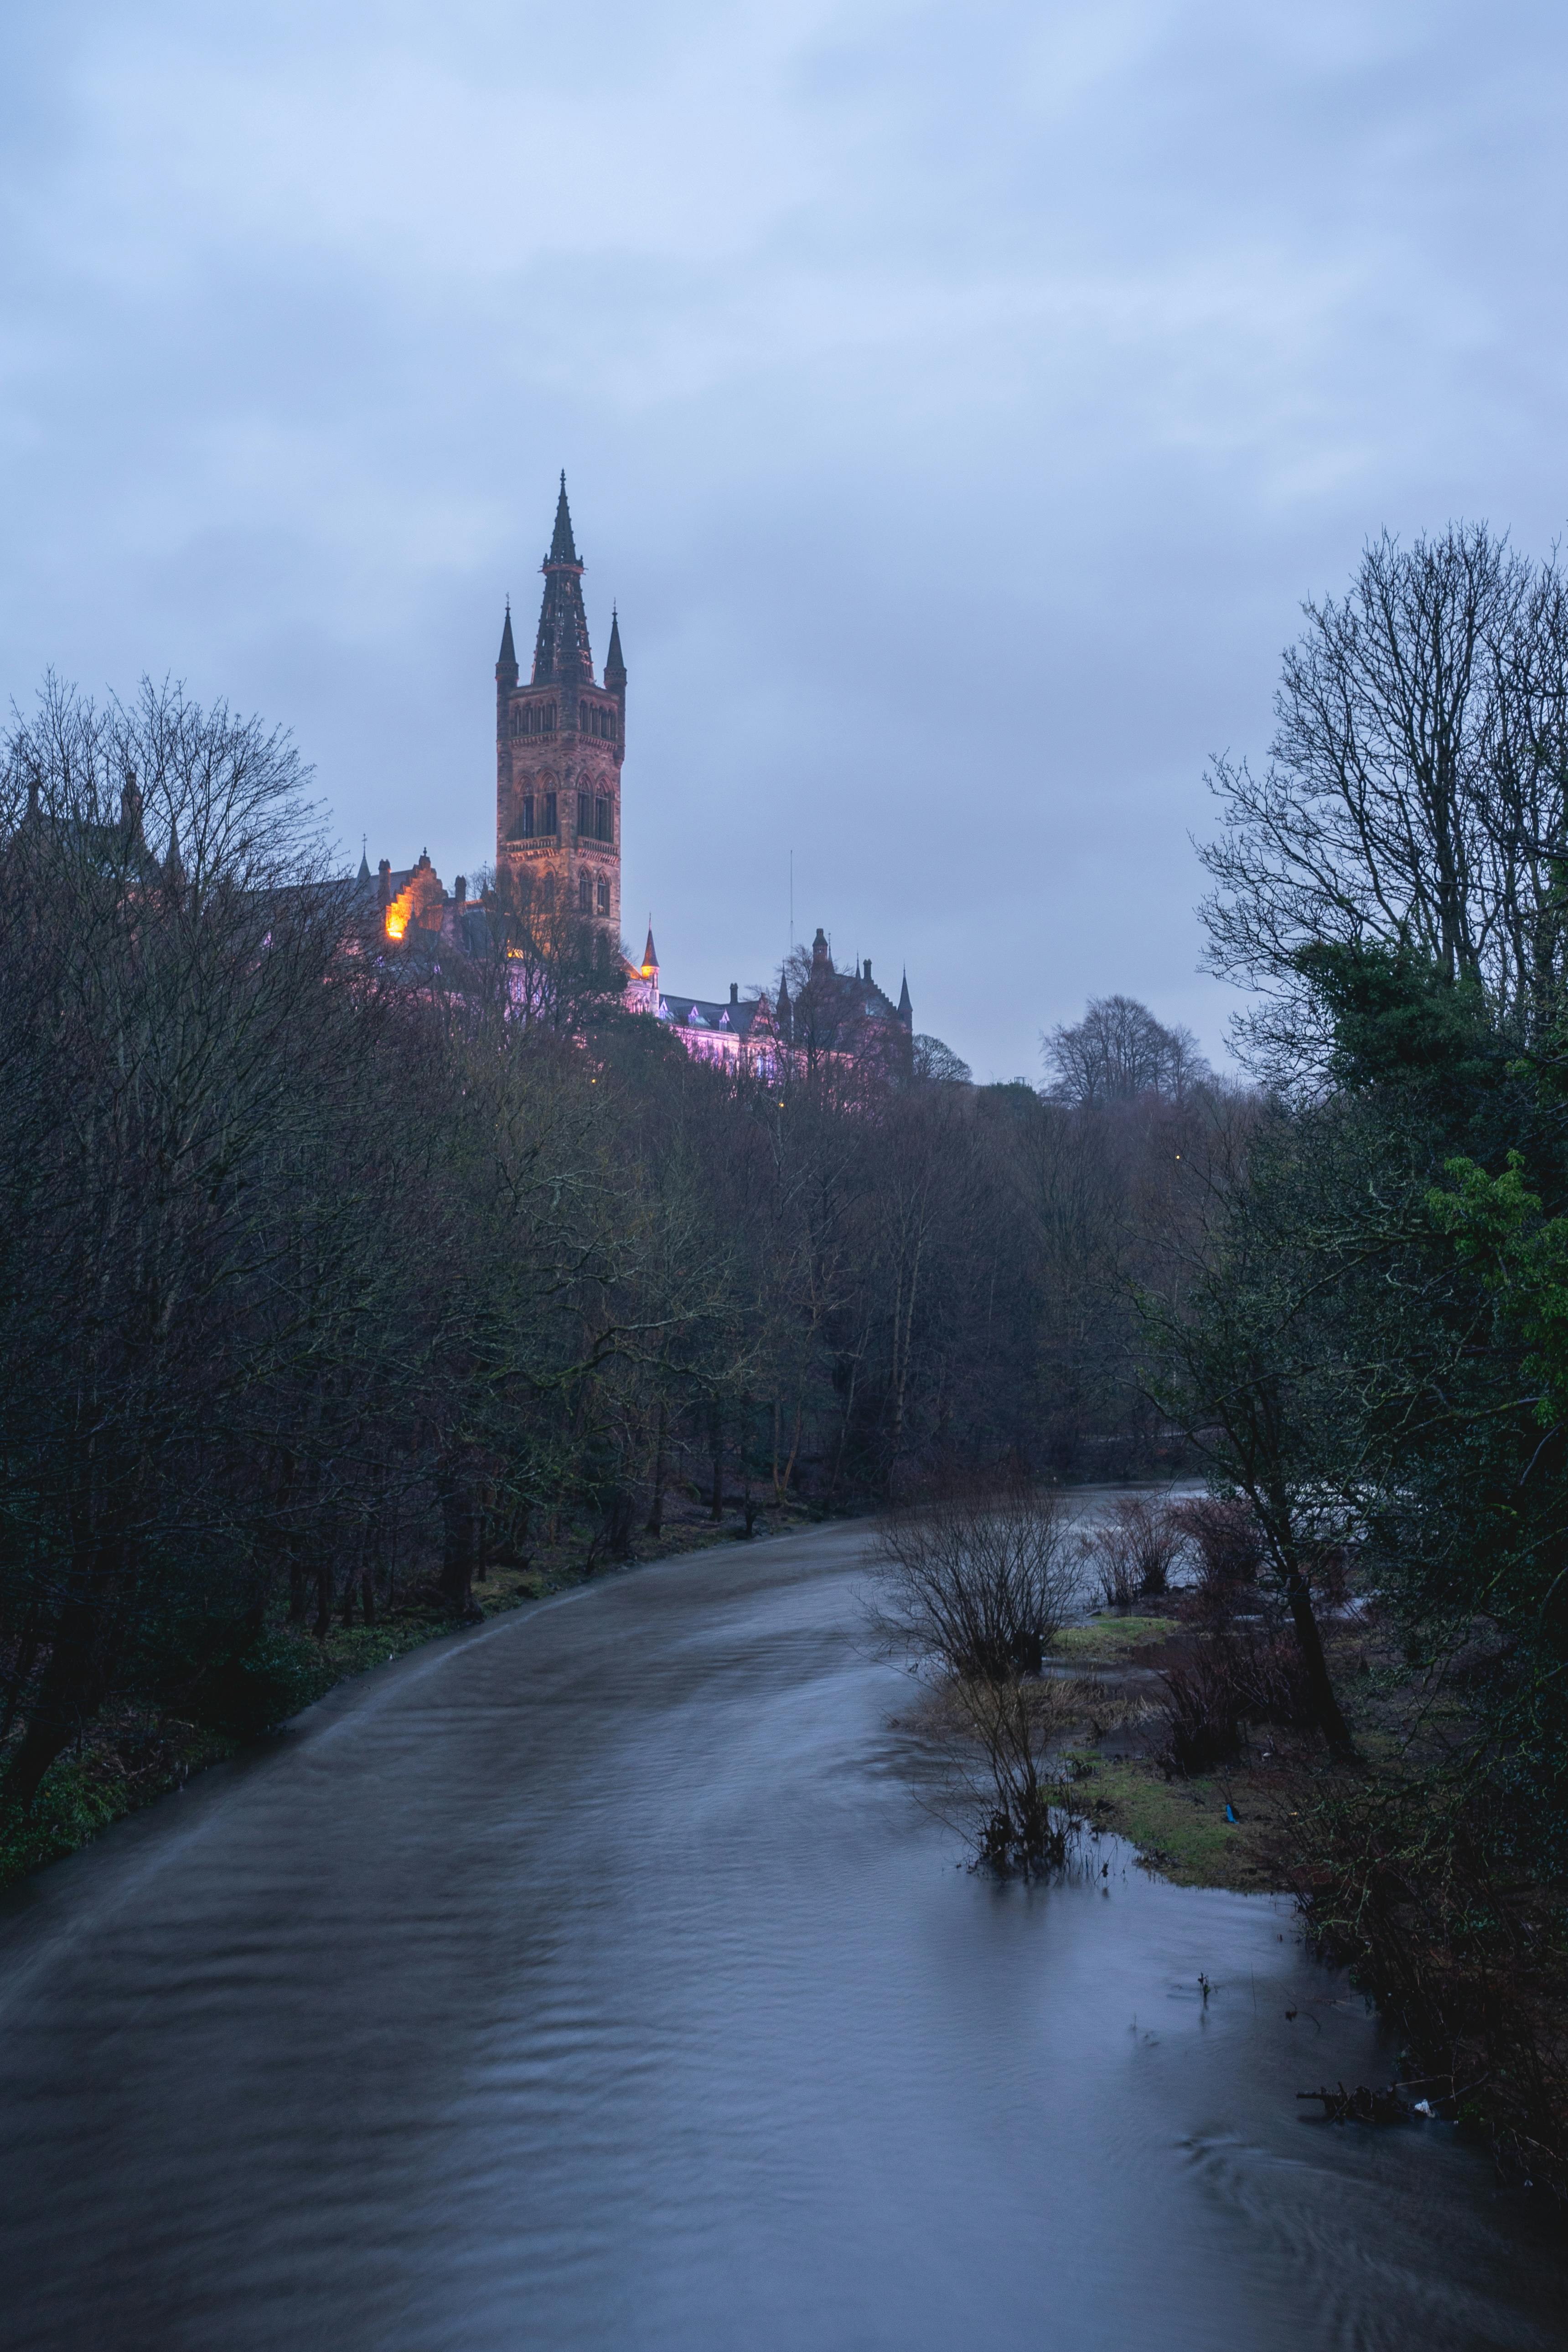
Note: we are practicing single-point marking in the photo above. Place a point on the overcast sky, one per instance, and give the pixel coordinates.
(958, 399)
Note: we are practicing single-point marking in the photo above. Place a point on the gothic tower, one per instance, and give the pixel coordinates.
(559, 742)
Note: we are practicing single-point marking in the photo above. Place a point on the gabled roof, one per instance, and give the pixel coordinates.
(739, 1019)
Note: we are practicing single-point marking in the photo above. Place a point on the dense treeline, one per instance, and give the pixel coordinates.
(333, 1271)
(1369, 1332)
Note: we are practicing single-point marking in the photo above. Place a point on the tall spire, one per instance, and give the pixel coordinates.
(562, 550)
(650, 953)
(561, 654)
(508, 650)
(906, 1010)
(615, 667)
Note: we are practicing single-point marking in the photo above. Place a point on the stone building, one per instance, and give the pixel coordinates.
(559, 742)
(560, 745)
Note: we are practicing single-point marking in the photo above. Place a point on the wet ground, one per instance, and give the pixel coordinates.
(600, 1978)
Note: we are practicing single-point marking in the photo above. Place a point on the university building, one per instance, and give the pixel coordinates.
(560, 747)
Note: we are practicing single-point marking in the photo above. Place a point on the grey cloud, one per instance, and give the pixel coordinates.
(958, 399)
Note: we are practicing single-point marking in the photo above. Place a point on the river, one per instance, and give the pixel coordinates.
(600, 1978)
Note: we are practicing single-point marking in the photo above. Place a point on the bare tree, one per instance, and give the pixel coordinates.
(1415, 794)
(1132, 1548)
(1118, 1051)
(980, 1583)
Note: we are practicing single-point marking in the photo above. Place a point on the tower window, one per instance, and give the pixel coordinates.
(547, 814)
(550, 894)
(604, 894)
(585, 816)
(601, 820)
(584, 894)
(525, 827)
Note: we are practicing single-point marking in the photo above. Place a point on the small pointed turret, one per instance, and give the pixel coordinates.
(649, 954)
(783, 1011)
(364, 873)
(506, 660)
(906, 1010)
(562, 550)
(615, 667)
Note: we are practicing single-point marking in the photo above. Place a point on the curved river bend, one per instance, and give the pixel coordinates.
(596, 1980)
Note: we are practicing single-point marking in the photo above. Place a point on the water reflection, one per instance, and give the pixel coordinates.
(598, 1981)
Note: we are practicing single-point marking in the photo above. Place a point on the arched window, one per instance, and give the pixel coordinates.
(584, 894)
(604, 894)
(585, 816)
(601, 820)
(549, 894)
(547, 812)
(525, 820)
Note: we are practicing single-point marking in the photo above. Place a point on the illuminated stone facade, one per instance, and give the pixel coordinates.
(559, 742)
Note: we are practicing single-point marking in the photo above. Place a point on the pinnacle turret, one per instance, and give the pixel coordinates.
(650, 953)
(906, 1010)
(562, 550)
(615, 667)
(507, 658)
(561, 654)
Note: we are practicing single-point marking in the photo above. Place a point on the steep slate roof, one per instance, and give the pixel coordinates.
(561, 654)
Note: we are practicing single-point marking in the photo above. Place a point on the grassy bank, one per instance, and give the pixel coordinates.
(1405, 1874)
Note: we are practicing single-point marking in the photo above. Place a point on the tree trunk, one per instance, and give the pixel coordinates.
(458, 1548)
(716, 1432)
(656, 1511)
(1309, 1642)
(70, 1693)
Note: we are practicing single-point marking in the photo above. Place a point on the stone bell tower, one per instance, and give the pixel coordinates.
(559, 742)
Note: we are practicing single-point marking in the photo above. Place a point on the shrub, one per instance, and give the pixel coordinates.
(1131, 1550)
(981, 1582)
(1019, 1834)
(1226, 1545)
(260, 1686)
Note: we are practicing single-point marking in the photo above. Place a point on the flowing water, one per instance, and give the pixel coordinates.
(597, 1978)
